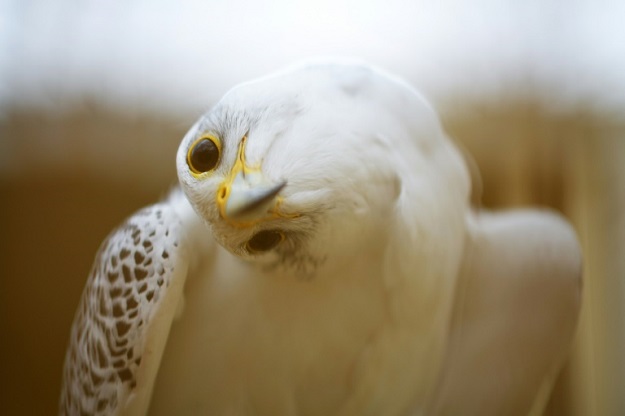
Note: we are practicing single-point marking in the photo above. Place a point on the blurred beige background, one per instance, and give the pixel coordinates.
(94, 100)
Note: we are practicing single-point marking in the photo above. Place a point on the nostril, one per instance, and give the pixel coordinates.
(222, 193)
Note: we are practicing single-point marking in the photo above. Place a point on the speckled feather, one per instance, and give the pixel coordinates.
(132, 272)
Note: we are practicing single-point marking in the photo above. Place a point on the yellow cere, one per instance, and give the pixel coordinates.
(223, 192)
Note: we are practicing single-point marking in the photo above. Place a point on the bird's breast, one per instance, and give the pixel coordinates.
(250, 342)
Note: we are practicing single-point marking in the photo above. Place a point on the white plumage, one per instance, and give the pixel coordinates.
(351, 276)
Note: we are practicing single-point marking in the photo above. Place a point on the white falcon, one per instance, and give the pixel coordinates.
(322, 258)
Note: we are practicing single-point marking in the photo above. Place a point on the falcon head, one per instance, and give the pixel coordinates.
(307, 165)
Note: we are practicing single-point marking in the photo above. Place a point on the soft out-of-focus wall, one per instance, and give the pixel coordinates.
(95, 97)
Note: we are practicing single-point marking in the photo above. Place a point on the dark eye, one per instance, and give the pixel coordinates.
(265, 241)
(203, 155)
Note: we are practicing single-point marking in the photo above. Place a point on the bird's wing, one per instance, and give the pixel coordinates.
(515, 314)
(127, 307)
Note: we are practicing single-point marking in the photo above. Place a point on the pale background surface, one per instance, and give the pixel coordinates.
(95, 97)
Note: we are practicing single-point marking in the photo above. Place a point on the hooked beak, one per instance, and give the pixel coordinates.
(246, 196)
(250, 203)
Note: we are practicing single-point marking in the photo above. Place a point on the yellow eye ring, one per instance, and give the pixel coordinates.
(204, 155)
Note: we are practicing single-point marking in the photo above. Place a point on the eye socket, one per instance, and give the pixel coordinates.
(204, 155)
(264, 241)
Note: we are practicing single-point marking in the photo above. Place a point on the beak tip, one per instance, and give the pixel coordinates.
(253, 203)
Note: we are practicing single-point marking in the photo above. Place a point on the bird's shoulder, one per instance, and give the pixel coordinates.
(516, 309)
(124, 316)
